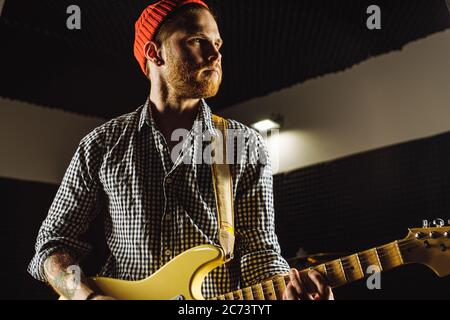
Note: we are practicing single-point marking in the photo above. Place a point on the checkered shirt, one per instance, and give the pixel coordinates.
(156, 208)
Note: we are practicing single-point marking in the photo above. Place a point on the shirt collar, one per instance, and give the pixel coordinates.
(145, 117)
(204, 115)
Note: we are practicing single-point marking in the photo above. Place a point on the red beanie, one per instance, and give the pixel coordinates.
(149, 22)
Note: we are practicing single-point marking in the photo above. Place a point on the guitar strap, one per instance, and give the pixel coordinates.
(223, 188)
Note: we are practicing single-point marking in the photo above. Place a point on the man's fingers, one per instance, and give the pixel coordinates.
(329, 294)
(290, 292)
(295, 280)
(323, 288)
(310, 286)
(318, 281)
(298, 284)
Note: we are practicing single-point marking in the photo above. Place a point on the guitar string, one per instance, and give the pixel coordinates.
(264, 286)
(370, 253)
(278, 286)
(332, 272)
(363, 259)
(400, 243)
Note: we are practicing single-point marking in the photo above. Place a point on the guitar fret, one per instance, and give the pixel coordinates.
(221, 297)
(238, 295)
(343, 271)
(352, 268)
(336, 273)
(395, 243)
(330, 275)
(359, 264)
(269, 290)
(229, 296)
(247, 293)
(389, 256)
(257, 292)
(361, 261)
(378, 258)
(280, 286)
(369, 258)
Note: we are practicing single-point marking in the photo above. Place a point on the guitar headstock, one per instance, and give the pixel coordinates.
(429, 245)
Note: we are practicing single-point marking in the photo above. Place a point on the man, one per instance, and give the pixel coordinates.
(160, 205)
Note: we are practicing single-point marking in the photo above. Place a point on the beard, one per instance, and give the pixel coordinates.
(190, 80)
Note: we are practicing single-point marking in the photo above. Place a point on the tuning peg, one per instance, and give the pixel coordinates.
(438, 222)
(420, 235)
(434, 235)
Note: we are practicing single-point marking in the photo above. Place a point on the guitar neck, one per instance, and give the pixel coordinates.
(337, 272)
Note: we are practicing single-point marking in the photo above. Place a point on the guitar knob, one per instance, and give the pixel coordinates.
(420, 235)
(447, 234)
(434, 235)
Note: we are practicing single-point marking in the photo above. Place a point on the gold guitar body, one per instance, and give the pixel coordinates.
(181, 278)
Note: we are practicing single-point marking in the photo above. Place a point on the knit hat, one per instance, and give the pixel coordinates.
(150, 20)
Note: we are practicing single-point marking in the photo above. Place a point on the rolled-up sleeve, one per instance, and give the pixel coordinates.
(74, 206)
(255, 223)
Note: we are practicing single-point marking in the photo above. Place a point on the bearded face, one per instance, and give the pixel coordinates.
(190, 79)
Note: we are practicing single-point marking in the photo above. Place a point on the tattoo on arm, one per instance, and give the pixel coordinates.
(63, 274)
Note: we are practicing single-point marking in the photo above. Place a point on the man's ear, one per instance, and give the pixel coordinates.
(152, 51)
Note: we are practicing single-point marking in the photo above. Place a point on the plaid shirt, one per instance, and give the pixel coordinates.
(156, 208)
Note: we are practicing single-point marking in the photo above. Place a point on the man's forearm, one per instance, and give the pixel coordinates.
(65, 276)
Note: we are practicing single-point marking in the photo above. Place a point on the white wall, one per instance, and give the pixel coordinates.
(388, 99)
(37, 143)
(393, 98)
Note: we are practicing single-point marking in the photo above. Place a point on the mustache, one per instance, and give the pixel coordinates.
(217, 67)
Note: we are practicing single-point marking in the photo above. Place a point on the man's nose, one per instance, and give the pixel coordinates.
(214, 55)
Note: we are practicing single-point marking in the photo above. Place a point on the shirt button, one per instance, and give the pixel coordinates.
(168, 217)
(168, 252)
(168, 180)
(160, 146)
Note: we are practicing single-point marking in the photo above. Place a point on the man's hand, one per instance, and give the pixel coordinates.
(307, 286)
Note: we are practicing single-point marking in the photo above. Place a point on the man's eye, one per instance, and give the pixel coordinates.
(197, 40)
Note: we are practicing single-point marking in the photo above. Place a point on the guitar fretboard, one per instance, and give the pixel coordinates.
(337, 272)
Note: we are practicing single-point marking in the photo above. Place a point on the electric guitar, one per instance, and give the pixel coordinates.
(182, 277)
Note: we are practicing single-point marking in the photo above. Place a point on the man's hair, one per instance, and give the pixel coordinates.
(173, 20)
